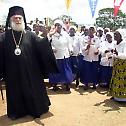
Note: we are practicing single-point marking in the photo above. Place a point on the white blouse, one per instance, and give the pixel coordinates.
(121, 49)
(61, 45)
(105, 61)
(75, 42)
(89, 55)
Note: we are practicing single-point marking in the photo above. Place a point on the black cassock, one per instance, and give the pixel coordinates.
(24, 74)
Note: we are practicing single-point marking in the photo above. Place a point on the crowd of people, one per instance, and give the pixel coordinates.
(91, 56)
(87, 55)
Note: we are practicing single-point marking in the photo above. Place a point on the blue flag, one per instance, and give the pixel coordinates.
(93, 4)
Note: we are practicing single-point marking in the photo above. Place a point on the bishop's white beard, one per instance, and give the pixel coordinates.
(18, 27)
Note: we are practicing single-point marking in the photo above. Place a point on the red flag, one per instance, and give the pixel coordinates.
(117, 5)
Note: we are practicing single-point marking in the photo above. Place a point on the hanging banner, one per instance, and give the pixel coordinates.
(117, 5)
(93, 4)
(68, 3)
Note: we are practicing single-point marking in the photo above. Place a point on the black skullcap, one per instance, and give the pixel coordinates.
(15, 10)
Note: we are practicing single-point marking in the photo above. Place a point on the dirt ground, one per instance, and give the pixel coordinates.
(75, 108)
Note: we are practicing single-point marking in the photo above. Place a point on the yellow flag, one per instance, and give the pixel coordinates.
(68, 2)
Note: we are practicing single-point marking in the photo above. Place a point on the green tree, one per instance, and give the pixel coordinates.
(66, 18)
(106, 19)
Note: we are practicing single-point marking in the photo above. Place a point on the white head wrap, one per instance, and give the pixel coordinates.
(59, 22)
(107, 29)
(110, 33)
(122, 32)
(100, 28)
(74, 27)
(93, 27)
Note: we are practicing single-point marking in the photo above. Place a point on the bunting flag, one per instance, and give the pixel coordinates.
(117, 5)
(68, 2)
(93, 4)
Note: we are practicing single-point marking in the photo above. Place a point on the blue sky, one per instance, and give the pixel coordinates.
(79, 9)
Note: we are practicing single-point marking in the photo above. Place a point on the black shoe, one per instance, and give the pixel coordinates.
(67, 87)
(112, 98)
(94, 87)
(85, 87)
(36, 117)
(105, 86)
(55, 88)
(77, 83)
(13, 117)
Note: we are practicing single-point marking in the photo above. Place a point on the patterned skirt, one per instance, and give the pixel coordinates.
(118, 81)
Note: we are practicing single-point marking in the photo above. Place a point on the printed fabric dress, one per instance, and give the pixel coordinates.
(118, 81)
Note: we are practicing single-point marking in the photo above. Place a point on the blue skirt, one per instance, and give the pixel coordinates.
(80, 59)
(89, 72)
(105, 74)
(74, 64)
(65, 75)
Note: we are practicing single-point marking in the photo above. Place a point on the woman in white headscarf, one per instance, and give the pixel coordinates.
(106, 62)
(61, 48)
(74, 40)
(118, 81)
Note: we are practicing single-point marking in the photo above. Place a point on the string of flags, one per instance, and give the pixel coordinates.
(117, 5)
(93, 6)
(68, 3)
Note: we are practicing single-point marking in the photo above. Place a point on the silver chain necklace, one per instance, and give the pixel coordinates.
(17, 51)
